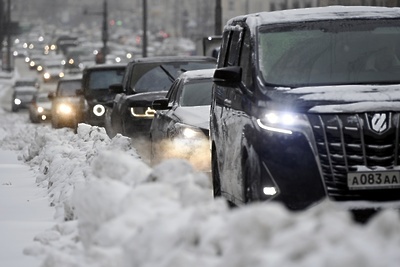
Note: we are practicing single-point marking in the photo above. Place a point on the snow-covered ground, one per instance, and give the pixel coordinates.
(111, 209)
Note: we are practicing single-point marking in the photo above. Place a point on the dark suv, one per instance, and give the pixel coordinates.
(145, 80)
(306, 108)
(95, 89)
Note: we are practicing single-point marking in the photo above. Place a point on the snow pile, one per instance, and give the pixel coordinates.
(114, 210)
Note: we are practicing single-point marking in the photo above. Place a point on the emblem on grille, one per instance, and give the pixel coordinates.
(379, 122)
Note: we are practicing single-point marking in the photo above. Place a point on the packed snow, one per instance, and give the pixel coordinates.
(112, 209)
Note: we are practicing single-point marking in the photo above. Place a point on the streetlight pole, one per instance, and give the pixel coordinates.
(218, 18)
(104, 33)
(144, 37)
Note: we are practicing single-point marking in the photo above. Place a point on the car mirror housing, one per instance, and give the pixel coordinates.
(228, 76)
(116, 88)
(160, 104)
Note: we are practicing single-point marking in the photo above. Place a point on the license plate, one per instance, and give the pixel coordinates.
(373, 180)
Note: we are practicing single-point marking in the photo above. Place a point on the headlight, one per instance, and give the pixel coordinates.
(46, 75)
(17, 101)
(61, 74)
(143, 112)
(99, 110)
(32, 63)
(186, 132)
(281, 122)
(64, 108)
(40, 109)
(39, 68)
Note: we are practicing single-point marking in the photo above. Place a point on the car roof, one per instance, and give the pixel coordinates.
(197, 74)
(172, 59)
(107, 66)
(317, 13)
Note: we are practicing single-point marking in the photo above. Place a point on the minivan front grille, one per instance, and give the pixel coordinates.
(347, 141)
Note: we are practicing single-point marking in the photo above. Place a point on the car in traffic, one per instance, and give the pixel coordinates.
(306, 108)
(40, 107)
(52, 71)
(23, 91)
(180, 127)
(146, 79)
(67, 106)
(95, 89)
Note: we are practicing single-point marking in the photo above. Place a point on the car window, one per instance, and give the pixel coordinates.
(159, 77)
(171, 95)
(68, 88)
(196, 93)
(101, 80)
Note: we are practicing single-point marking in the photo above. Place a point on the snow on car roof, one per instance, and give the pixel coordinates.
(198, 74)
(318, 13)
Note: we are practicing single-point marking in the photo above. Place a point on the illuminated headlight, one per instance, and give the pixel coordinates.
(39, 68)
(32, 63)
(27, 59)
(187, 132)
(53, 47)
(40, 109)
(118, 59)
(15, 53)
(17, 101)
(61, 74)
(71, 61)
(46, 75)
(281, 122)
(269, 191)
(129, 56)
(63, 62)
(64, 108)
(99, 110)
(143, 112)
(44, 117)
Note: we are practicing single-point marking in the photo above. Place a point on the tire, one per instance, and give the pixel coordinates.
(251, 178)
(216, 181)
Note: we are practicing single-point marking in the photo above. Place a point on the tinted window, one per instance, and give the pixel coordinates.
(159, 77)
(68, 88)
(196, 94)
(101, 80)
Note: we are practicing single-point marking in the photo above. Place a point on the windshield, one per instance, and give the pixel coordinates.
(331, 52)
(196, 94)
(159, 77)
(68, 88)
(101, 80)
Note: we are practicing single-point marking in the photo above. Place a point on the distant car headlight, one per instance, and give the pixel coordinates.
(27, 59)
(143, 112)
(64, 109)
(32, 63)
(39, 68)
(17, 101)
(15, 53)
(61, 74)
(282, 122)
(99, 110)
(46, 75)
(40, 109)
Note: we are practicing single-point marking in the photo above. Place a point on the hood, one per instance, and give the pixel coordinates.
(145, 99)
(195, 116)
(338, 99)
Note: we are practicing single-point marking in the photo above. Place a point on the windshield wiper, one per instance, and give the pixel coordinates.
(171, 78)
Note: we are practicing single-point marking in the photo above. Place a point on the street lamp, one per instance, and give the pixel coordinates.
(104, 34)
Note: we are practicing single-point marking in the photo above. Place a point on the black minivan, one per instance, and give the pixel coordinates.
(306, 108)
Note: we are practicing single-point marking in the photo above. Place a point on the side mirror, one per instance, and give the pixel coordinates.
(116, 88)
(228, 76)
(160, 104)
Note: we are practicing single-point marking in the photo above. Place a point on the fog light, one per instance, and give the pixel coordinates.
(269, 191)
(44, 117)
(99, 110)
